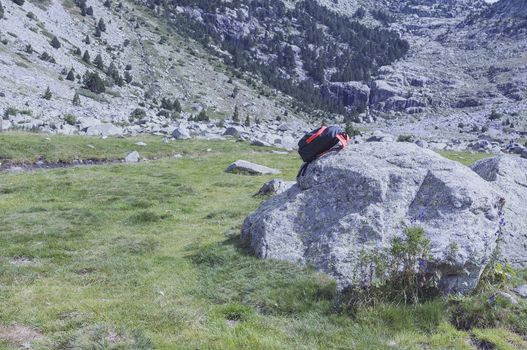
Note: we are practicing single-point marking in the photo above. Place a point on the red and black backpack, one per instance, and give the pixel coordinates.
(319, 142)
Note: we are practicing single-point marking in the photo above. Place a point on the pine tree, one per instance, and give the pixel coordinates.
(177, 106)
(19, 2)
(55, 43)
(71, 75)
(47, 94)
(29, 49)
(89, 11)
(1, 11)
(87, 40)
(98, 62)
(101, 25)
(76, 99)
(77, 51)
(86, 57)
(93, 82)
(107, 4)
(236, 115)
(247, 121)
(97, 33)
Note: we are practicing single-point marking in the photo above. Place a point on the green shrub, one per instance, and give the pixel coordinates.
(70, 119)
(93, 82)
(495, 115)
(352, 131)
(76, 99)
(202, 117)
(396, 274)
(31, 15)
(136, 114)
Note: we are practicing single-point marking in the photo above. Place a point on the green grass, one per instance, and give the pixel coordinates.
(465, 158)
(146, 256)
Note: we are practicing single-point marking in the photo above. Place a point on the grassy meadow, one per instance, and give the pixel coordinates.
(146, 256)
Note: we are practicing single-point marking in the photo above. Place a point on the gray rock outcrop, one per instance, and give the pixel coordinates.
(245, 167)
(132, 157)
(275, 186)
(508, 175)
(356, 201)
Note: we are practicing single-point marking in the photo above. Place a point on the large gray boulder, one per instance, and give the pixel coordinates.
(245, 167)
(508, 175)
(274, 187)
(357, 200)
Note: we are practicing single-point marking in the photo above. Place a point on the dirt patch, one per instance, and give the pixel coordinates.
(23, 261)
(19, 335)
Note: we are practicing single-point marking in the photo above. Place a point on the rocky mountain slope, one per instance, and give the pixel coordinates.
(146, 67)
(453, 69)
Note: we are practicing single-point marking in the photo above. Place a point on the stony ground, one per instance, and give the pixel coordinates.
(147, 256)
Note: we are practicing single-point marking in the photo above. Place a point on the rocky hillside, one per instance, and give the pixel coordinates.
(67, 66)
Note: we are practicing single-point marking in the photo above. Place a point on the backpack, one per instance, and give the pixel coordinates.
(320, 141)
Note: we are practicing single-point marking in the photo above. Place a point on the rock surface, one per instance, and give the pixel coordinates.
(245, 167)
(521, 290)
(132, 157)
(275, 186)
(508, 174)
(357, 200)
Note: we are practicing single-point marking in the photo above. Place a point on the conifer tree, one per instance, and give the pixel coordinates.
(76, 99)
(55, 43)
(86, 57)
(1, 11)
(89, 11)
(71, 75)
(247, 121)
(236, 115)
(98, 62)
(47, 94)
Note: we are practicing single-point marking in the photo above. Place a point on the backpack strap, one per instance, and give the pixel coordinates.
(344, 140)
(317, 134)
(302, 170)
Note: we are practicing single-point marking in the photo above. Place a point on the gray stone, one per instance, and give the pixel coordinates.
(181, 133)
(132, 157)
(508, 175)
(421, 143)
(260, 143)
(521, 291)
(245, 167)
(507, 297)
(524, 154)
(104, 130)
(231, 131)
(140, 143)
(275, 186)
(360, 198)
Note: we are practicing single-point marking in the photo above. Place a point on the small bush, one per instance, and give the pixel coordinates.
(19, 2)
(47, 94)
(202, 117)
(352, 131)
(70, 119)
(136, 114)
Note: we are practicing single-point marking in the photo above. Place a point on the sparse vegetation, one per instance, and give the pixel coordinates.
(93, 82)
(76, 99)
(55, 43)
(137, 114)
(70, 119)
(47, 94)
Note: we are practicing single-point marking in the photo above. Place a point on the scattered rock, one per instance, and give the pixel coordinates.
(140, 143)
(231, 131)
(275, 186)
(180, 133)
(132, 157)
(360, 198)
(245, 167)
(508, 297)
(521, 290)
(104, 130)
(259, 143)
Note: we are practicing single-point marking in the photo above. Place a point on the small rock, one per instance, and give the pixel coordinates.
(231, 131)
(521, 290)
(508, 297)
(421, 143)
(90, 146)
(132, 157)
(524, 154)
(140, 143)
(259, 143)
(275, 186)
(245, 167)
(180, 133)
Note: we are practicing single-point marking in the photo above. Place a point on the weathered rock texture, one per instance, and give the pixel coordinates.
(508, 174)
(245, 167)
(359, 199)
